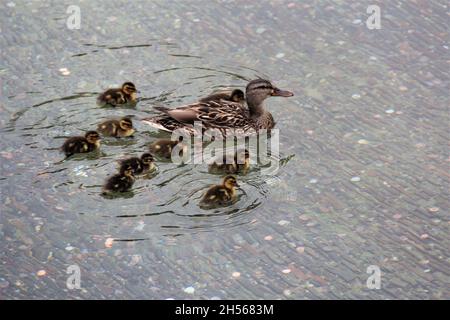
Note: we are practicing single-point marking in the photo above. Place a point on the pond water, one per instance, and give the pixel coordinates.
(363, 179)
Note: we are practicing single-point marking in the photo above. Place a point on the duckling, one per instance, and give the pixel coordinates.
(88, 143)
(116, 128)
(237, 95)
(144, 164)
(163, 148)
(117, 96)
(121, 182)
(221, 194)
(241, 163)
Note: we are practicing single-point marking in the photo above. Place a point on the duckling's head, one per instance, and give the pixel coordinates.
(126, 170)
(129, 88)
(237, 95)
(92, 136)
(260, 89)
(230, 182)
(126, 124)
(147, 158)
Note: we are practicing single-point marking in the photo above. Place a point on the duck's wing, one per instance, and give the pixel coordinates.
(214, 114)
(224, 114)
(185, 114)
(163, 122)
(111, 97)
(218, 118)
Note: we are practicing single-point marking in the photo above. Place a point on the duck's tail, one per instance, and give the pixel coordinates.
(162, 122)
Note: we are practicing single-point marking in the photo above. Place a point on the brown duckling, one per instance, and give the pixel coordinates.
(117, 96)
(88, 143)
(116, 128)
(144, 164)
(163, 148)
(121, 182)
(221, 194)
(237, 95)
(240, 163)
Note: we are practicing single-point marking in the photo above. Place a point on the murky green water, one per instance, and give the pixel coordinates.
(366, 136)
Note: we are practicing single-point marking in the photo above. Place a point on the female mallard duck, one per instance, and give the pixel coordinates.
(222, 194)
(116, 96)
(239, 163)
(237, 95)
(144, 164)
(121, 182)
(88, 143)
(163, 148)
(225, 118)
(116, 128)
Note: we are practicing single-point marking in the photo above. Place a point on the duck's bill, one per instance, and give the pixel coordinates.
(282, 93)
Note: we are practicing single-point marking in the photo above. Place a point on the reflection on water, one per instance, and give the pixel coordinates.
(362, 179)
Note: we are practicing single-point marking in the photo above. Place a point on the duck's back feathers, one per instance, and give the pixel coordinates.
(223, 116)
(135, 163)
(163, 148)
(164, 123)
(108, 128)
(76, 145)
(111, 97)
(183, 114)
(114, 128)
(118, 183)
(216, 195)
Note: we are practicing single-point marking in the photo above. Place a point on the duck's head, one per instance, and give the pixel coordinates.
(92, 137)
(126, 124)
(258, 90)
(230, 182)
(147, 158)
(129, 88)
(126, 170)
(237, 95)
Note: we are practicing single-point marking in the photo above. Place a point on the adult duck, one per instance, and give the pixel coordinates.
(223, 118)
